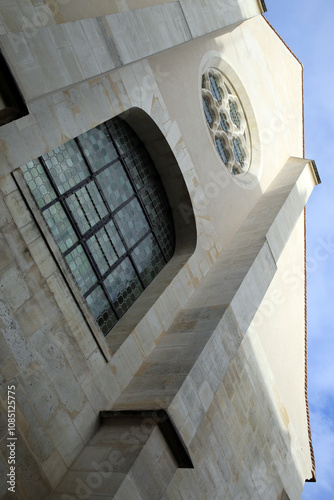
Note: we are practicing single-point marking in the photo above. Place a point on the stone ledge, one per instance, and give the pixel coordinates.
(166, 427)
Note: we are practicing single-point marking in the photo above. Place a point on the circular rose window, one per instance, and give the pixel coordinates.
(226, 121)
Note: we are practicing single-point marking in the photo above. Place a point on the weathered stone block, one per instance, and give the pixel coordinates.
(192, 402)
(205, 395)
(54, 468)
(5, 252)
(128, 489)
(91, 388)
(156, 453)
(132, 353)
(43, 258)
(73, 315)
(18, 209)
(82, 47)
(40, 393)
(178, 410)
(9, 370)
(5, 217)
(15, 340)
(69, 391)
(19, 248)
(30, 232)
(32, 483)
(48, 352)
(120, 367)
(72, 352)
(37, 440)
(14, 287)
(30, 317)
(64, 436)
(86, 422)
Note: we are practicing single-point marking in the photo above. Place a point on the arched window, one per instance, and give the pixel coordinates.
(226, 121)
(106, 207)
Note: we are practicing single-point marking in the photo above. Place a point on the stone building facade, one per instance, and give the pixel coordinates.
(199, 389)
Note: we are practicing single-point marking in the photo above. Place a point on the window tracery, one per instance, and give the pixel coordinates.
(226, 121)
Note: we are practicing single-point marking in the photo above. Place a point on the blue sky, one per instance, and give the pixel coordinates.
(307, 27)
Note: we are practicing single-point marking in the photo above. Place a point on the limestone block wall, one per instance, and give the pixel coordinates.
(249, 55)
(199, 346)
(63, 377)
(212, 373)
(17, 15)
(63, 371)
(241, 448)
(280, 314)
(62, 374)
(57, 44)
(127, 458)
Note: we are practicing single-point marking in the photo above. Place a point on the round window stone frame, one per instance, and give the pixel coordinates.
(248, 174)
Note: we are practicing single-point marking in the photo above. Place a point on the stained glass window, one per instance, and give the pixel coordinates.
(222, 150)
(106, 207)
(215, 89)
(235, 117)
(239, 153)
(209, 114)
(226, 120)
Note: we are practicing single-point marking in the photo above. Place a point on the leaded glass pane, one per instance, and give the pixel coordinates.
(60, 226)
(102, 310)
(87, 206)
(235, 117)
(224, 122)
(81, 268)
(123, 135)
(147, 198)
(123, 286)
(113, 246)
(66, 166)
(140, 167)
(98, 147)
(215, 88)
(38, 183)
(222, 150)
(132, 222)
(115, 238)
(209, 114)
(115, 185)
(164, 231)
(155, 201)
(106, 247)
(148, 259)
(239, 153)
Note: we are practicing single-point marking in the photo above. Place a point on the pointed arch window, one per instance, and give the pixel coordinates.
(106, 207)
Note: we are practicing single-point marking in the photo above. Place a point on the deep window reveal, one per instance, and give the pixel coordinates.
(106, 207)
